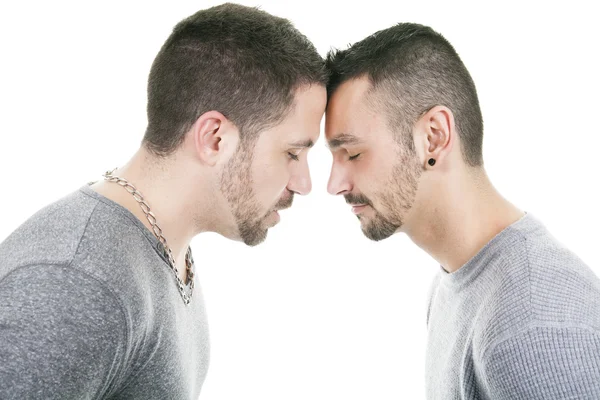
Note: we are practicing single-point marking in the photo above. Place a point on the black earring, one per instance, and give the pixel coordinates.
(431, 162)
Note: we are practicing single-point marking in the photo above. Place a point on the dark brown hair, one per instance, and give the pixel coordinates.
(412, 69)
(240, 61)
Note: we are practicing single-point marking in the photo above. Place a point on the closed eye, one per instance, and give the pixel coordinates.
(293, 156)
(354, 157)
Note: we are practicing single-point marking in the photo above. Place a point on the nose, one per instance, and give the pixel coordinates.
(338, 180)
(300, 180)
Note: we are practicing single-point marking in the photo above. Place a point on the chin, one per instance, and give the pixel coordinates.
(252, 234)
(374, 237)
(255, 240)
(377, 233)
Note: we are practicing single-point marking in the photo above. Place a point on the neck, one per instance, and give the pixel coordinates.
(173, 197)
(469, 212)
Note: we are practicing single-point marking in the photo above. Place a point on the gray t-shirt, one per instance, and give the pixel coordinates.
(89, 309)
(520, 320)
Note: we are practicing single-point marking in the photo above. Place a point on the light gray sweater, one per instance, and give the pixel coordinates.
(520, 320)
(89, 309)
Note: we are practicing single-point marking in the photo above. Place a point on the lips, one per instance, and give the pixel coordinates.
(358, 208)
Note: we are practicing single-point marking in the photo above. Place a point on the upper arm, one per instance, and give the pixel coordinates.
(545, 363)
(62, 334)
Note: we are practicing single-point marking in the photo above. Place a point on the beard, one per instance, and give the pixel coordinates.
(236, 186)
(396, 199)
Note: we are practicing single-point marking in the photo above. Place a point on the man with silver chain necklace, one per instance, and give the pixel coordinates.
(97, 291)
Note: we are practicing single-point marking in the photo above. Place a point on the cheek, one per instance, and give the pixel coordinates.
(269, 181)
(370, 175)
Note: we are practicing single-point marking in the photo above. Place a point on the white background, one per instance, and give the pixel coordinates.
(318, 311)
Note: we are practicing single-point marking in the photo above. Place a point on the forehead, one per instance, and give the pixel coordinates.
(304, 117)
(349, 111)
(309, 99)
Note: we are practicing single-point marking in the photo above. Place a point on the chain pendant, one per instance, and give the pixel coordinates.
(166, 250)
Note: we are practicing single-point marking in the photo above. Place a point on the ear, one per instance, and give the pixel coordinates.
(214, 138)
(435, 135)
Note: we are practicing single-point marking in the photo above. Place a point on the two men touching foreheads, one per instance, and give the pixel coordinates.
(97, 296)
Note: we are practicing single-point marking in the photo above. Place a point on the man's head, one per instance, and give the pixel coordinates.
(397, 99)
(243, 92)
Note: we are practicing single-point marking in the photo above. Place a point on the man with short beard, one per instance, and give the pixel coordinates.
(513, 314)
(97, 291)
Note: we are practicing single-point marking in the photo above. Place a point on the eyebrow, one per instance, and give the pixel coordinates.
(341, 140)
(302, 144)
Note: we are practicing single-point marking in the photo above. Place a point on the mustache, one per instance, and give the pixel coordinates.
(285, 202)
(352, 198)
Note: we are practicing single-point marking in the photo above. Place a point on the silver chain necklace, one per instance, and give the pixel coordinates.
(189, 261)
